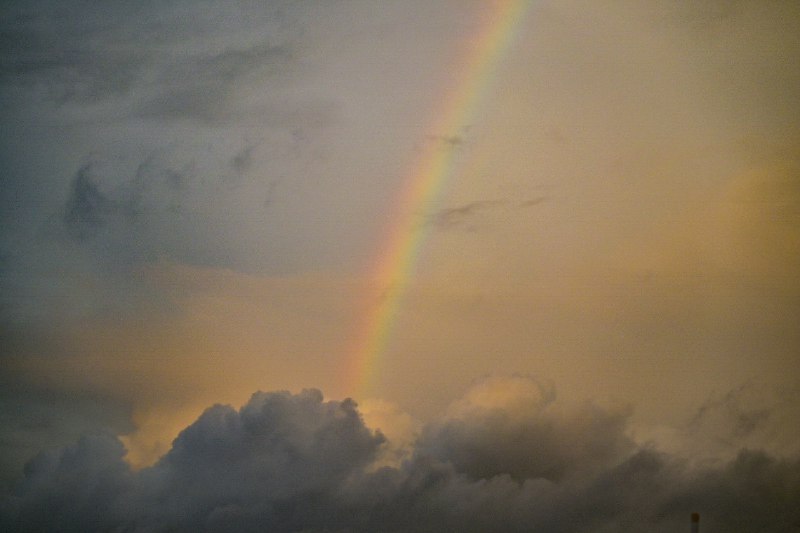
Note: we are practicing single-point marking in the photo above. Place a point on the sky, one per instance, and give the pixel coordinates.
(359, 265)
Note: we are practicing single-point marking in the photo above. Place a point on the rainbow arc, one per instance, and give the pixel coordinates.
(395, 266)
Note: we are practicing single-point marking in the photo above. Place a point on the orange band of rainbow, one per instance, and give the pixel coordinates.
(394, 267)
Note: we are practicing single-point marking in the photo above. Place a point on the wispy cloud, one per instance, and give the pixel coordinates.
(464, 216)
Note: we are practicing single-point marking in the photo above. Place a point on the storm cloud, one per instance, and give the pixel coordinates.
(295, 462)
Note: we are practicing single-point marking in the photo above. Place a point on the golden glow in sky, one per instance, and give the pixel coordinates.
(542, 245)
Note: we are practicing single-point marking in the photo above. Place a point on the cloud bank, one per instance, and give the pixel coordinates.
(506, 457)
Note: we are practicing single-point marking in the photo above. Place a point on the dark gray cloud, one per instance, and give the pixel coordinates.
(34, 417)
(243, 159)
(464, 216)
(742, 416)
(202, 87)
(82, 485)
(750, 415)
(148, 56)
(53, 52)
(275, 464)
(470, 216)
(124, 129)
(121, 215)
(87, 209)
(497, 442)
(73, 75)
(288, 462)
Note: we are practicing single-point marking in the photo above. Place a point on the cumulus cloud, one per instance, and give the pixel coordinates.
(511, 426)
(295, 462)
(81, 487)
(270, 465)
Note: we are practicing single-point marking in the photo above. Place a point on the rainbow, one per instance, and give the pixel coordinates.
(394, 268)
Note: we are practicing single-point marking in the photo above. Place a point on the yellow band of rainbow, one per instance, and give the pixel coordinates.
(394, 267)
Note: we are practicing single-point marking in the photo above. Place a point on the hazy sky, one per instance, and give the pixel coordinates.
(194, 194)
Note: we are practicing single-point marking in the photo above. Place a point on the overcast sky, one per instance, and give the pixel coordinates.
(193, 195)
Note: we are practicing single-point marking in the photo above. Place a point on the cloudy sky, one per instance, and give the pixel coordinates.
(600, 331)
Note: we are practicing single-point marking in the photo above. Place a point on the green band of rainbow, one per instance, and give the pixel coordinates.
(394, 267)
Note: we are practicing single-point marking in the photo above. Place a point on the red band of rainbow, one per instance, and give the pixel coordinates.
(395, 266)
